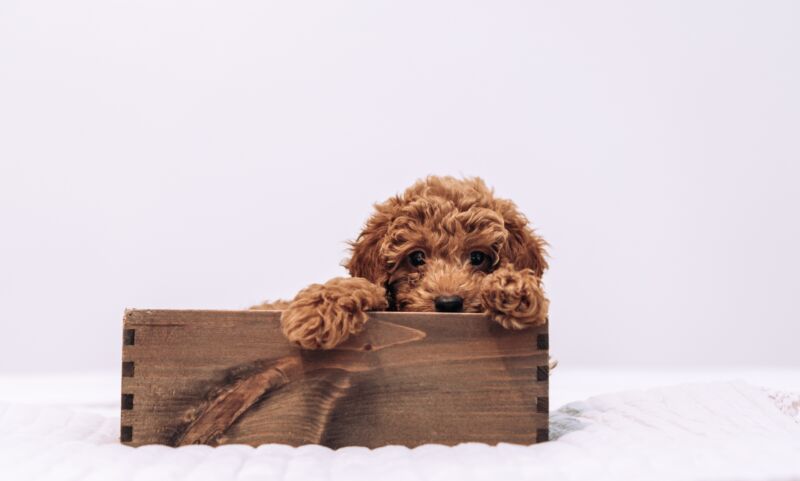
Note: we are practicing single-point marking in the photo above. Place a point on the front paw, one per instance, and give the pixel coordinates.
(514, 298)
(322, 316)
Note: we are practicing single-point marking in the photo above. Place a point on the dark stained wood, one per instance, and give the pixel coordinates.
(217, 377)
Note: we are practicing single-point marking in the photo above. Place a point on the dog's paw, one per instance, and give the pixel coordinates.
(322, 316)
(514, 298)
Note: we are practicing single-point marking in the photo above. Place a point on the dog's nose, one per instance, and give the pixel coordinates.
(449, 303)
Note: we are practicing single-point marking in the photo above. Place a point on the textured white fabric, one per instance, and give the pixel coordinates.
(707, 431)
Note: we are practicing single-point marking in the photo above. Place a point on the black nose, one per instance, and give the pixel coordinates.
(449, 303)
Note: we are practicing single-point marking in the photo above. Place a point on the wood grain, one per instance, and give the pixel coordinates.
(216, 377)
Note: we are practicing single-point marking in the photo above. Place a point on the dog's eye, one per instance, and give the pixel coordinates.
(416, 258)
(477, 258)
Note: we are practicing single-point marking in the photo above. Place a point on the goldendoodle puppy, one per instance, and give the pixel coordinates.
(445, 245)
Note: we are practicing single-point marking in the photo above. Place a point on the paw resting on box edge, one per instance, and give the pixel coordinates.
(514, 298)
(323, 316)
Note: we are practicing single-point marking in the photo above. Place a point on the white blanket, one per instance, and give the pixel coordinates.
(729, 430)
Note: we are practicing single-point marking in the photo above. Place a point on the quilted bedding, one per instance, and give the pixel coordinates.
(719, 430)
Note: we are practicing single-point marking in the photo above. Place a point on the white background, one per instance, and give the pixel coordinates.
(205, 154)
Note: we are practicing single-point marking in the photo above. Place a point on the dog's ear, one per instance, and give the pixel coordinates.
(366, 260)
(524, 249)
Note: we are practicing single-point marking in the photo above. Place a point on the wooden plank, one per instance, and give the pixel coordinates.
(217, 377)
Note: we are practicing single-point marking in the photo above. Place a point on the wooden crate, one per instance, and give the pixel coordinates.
(217, 377)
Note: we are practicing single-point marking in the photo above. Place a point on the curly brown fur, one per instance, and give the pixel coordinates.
(447, 220)
(323, 315)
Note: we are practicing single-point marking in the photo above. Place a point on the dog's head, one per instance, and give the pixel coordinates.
(432, 246)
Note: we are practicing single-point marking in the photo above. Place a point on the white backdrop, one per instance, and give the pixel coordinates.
(175, 153)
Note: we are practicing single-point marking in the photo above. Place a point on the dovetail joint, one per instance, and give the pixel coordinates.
(126, 434)
(542, 373)
(543, 404)
(543, 341)
(542, 435)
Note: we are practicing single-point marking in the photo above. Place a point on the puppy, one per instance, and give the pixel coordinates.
(445, 245)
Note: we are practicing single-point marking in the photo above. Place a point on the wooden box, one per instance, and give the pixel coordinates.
(217, 377)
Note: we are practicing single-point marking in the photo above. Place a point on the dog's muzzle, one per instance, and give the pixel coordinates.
(449, 303)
